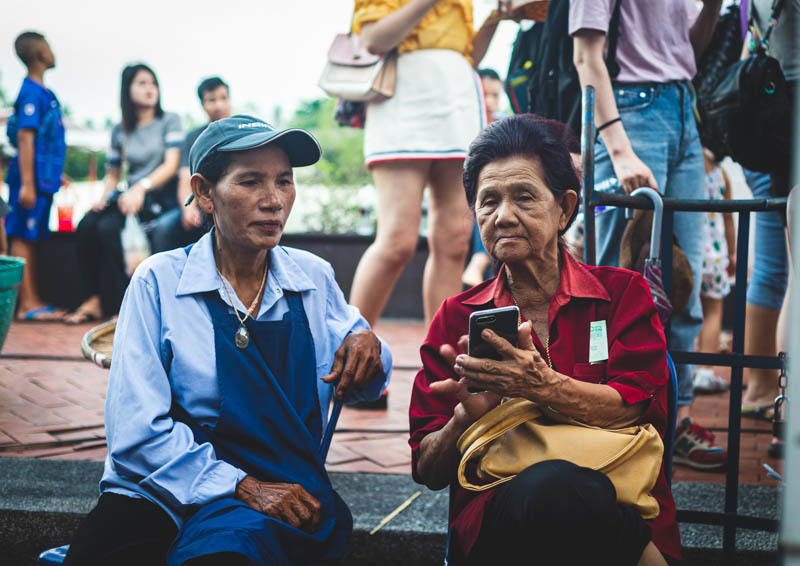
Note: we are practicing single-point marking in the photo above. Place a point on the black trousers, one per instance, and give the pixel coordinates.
(125, 531)
(558, 513)
(102, 264)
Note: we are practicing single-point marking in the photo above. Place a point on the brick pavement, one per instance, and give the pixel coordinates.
(51, 406)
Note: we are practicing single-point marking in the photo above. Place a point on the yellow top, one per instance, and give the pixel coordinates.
(448, 25)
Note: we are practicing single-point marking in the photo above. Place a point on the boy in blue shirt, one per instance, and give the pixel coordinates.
(34, 175)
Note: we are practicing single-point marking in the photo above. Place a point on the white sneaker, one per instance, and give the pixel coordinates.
(706, 381)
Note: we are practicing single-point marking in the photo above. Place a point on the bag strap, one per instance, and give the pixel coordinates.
(523, 414)
(777, 8)
(124, 166)
(613, 37)
(775, 14)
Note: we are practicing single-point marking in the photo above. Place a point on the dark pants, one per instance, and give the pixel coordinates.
(168, 232)
(102, 264)
(124, 531)
(556, 512)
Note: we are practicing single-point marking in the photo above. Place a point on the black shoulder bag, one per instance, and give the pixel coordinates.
(747, 114)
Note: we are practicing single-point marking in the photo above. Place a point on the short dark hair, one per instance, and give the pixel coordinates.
(210, 84)
(214, 166)
(128, 107)
(525, 135)
(25, 45)
(489, 74)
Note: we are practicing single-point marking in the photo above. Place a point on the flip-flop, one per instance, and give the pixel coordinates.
(763, 413)
(32, 315)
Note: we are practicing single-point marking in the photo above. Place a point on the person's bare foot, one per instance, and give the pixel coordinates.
(89, 311)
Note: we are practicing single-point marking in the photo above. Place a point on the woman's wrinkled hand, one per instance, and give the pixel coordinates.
(522, 372)
(287, 502)
(356, 362)
(471, 406)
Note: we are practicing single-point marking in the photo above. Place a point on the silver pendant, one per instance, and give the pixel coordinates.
(242, 338)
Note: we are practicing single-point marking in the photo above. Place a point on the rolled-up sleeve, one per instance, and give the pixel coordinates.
(174, 135)
(637, 358)
(343, 319)
(114, 154)
(589, 14)
(146, 446)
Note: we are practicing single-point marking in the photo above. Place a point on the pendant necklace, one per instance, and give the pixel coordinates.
(242, 336)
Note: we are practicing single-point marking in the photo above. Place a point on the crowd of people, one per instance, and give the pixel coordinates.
(214, 451)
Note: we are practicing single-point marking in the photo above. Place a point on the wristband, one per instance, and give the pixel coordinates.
(146, 183)
(604, 126)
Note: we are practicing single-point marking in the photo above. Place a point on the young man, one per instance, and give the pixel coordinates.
(648, 138)
(183, 225)
(34, 174)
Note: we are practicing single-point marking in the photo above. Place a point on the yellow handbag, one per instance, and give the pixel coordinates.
(519, 433)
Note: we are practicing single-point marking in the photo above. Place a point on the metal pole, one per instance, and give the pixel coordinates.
(587, 165)
(790, 525)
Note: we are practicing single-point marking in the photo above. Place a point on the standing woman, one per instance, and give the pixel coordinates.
(419, 138)
(148, 140)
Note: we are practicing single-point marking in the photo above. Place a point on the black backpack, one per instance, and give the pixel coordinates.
(542, 61)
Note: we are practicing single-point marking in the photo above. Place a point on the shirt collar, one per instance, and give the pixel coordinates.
(576, 281)
(200, 271)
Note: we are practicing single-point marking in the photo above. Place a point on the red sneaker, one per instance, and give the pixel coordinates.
(695, 447)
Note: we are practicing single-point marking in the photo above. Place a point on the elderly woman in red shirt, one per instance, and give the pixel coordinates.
(522, 185)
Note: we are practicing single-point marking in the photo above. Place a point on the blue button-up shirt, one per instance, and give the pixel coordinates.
(164, 351)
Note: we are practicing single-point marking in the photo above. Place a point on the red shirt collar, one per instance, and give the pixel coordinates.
(576, 281)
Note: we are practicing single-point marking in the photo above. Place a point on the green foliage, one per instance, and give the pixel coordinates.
(76, 165)
(342, 162)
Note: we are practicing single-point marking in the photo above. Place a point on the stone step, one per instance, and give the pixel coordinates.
(43, 501)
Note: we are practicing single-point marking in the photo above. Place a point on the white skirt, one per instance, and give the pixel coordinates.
(435, 113)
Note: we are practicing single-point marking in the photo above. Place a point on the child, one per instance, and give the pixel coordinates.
(34, 175)
(719, 265)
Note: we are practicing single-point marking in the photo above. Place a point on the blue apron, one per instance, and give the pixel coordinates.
(269, 426)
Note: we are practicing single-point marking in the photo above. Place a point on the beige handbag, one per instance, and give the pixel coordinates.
(519, 433)
(353, 73)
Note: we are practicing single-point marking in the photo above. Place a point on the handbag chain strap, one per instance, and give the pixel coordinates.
(546, 341)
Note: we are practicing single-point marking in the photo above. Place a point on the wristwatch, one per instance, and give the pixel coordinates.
(146, 183)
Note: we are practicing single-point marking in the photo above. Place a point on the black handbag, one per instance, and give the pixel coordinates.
(747, 113)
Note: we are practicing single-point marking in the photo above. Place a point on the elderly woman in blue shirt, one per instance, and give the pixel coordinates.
(225, 360)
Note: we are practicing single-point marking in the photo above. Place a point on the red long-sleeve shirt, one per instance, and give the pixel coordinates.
(636, 368)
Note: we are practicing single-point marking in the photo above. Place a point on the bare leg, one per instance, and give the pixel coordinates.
(783, 321)
(759, 340)
(90, 309)
(448, 241)
(708, 339)
(477, 266)
(399, 185)
(651, 556)
(28, 295)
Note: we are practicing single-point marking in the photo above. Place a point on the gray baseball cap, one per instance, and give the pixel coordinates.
(241, 132)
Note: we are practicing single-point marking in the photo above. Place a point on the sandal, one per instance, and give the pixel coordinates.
(80, 317)
(763, 413)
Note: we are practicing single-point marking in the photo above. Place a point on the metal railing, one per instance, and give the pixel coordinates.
(729, 519)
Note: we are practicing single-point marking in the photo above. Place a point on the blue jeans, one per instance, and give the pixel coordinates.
(767, 284)
(659, 121)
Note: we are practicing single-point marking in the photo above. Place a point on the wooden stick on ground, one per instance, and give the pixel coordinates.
(396, 512)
